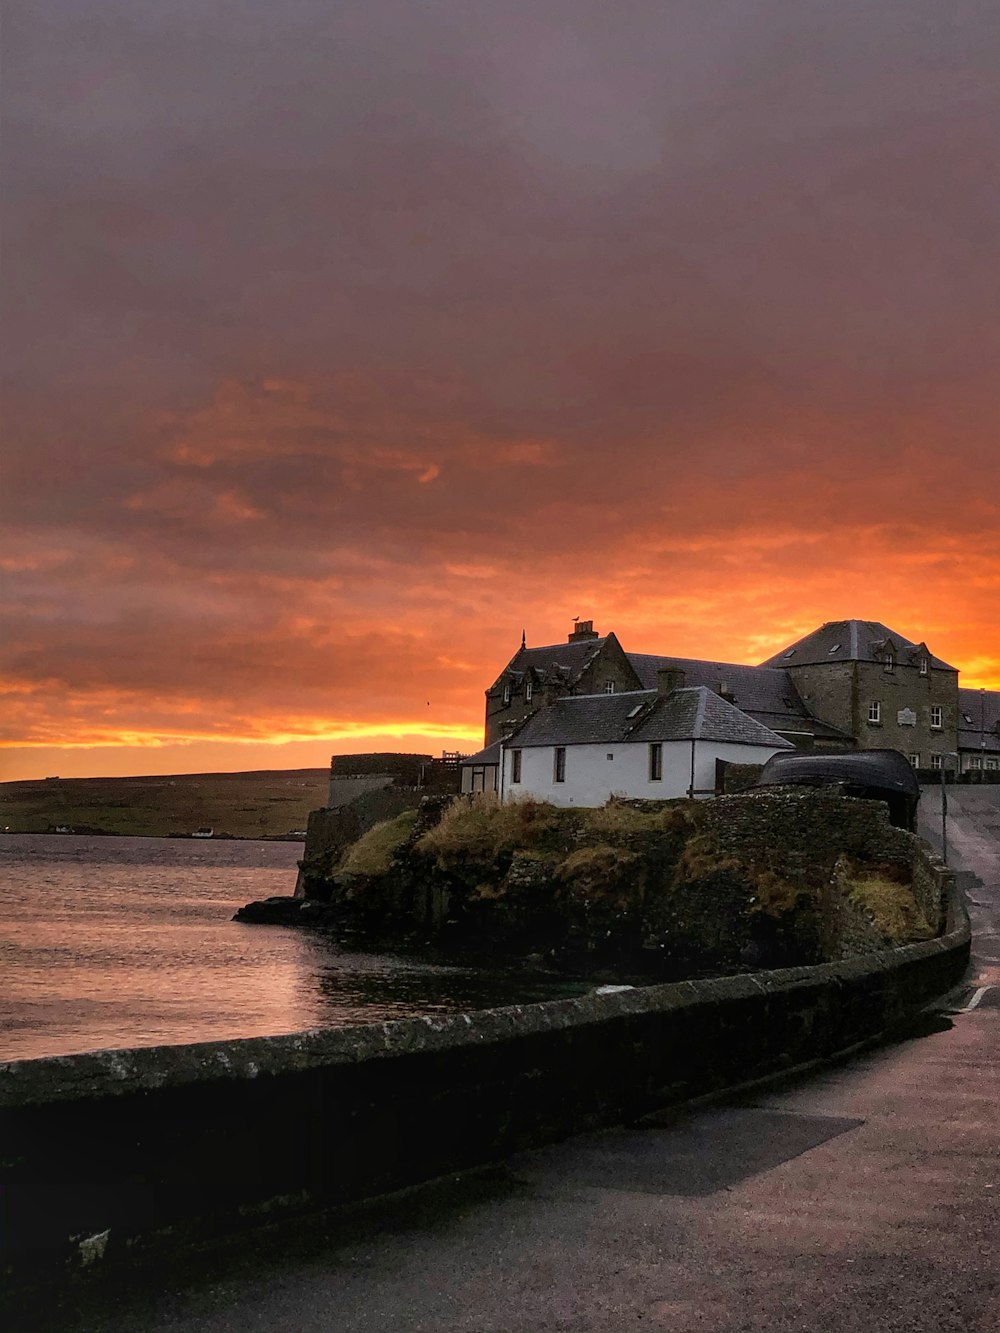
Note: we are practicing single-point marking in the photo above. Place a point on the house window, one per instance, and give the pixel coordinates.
(937, 716)
(924, 666)
(889, 662)
(559, 767)
(993, 764)
(656, 762)
(915, 760)
(936, 760)
(875, 713)
(528, 691)
(975, 761)
(506, 693)
(515, 765)
(609, 687)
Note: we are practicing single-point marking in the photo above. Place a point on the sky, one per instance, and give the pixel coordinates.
(344, 342)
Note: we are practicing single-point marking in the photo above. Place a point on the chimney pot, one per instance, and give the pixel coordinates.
(584, 629)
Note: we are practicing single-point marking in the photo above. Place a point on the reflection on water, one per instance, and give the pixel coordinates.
(110, 942)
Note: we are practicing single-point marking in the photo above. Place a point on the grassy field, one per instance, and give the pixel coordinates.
(266, 804)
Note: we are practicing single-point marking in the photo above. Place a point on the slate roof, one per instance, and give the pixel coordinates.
(978, 711)
(767, 694)
(569, 659)
(491, 755)
(643, 716)
(850, 641)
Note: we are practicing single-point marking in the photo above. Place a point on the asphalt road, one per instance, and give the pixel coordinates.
(866, 1198)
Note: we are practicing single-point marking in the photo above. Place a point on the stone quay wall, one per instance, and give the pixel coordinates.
(114, 1155)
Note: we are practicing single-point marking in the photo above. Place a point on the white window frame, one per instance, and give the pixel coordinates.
(937, 761)
(914, 761)
(875, 713)
(889, 662)
(925, 666)
(974, 761)
(937, 717)
(506, 693)
(609, 687)
(528, 691)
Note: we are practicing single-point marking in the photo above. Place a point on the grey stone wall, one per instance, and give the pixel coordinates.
(840, 693)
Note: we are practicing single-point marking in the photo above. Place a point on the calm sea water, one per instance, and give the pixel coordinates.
(108, 942)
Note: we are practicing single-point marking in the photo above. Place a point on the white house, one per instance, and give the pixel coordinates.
(583, 749)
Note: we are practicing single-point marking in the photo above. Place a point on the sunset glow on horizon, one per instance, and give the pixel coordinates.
(346, 343)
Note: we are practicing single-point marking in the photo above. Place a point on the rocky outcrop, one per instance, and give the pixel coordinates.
(660, 890)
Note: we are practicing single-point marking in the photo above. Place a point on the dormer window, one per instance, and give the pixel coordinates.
(925, 666)
(609, 687)
(506, 692)
(528, 691)
(889, 661)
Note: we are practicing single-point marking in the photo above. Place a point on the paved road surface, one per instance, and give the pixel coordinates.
(863, 1199)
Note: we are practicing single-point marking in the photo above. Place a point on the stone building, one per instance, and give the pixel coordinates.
(889, 692)
(850, 683)
(589, 663)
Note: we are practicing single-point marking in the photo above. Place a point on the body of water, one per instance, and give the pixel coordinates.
(110, 942)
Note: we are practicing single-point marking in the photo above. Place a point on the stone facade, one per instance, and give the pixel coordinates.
(850, 694)
(594, 665)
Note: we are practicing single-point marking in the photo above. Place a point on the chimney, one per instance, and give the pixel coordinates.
(670, 678)
(724, 691)
(506, 729)
(584, 629)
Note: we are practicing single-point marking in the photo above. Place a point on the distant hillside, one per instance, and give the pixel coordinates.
(266, 804)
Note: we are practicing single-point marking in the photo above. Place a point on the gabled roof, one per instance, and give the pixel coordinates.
(978, 717)
(567, 660)
(642, 716)
(852, 641)
(483, 758)
(768, 694)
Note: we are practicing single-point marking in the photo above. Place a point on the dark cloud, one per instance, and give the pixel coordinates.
(452, 316)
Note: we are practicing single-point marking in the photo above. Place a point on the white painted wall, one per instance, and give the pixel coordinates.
(592, 778)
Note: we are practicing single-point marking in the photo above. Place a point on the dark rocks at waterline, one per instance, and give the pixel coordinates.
(278, 911)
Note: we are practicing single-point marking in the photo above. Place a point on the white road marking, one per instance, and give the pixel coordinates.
(978, 995)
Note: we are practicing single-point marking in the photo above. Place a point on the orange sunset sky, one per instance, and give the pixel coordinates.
(346, 341)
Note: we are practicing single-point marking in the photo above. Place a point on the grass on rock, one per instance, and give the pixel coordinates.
(373, 852)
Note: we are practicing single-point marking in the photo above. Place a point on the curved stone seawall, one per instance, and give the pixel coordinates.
(113, 1153)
